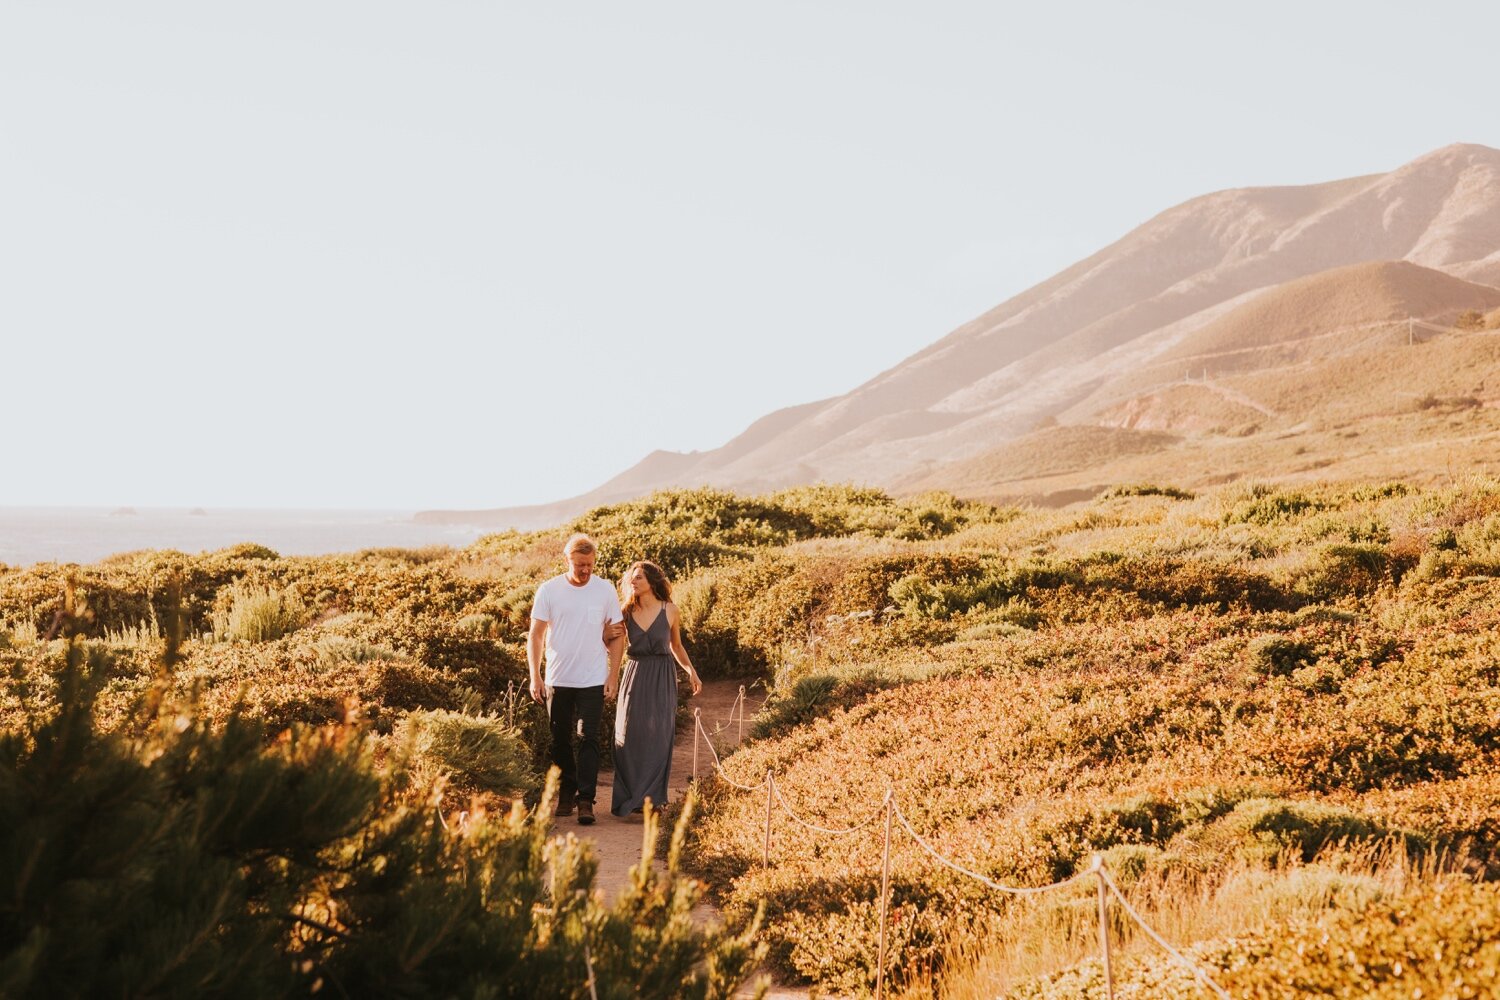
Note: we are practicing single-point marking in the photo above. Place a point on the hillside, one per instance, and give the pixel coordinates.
(1161, 288)
(1273, 712)
(1333, 300)
(1318, 376)
(1321, 316)
(1425, 412)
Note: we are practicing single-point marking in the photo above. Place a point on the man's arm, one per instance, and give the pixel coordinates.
(536, 642)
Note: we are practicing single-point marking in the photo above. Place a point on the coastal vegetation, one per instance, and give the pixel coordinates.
(1273, 711)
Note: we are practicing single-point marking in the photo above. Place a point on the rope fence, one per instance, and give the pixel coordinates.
(787, 808)
(890, 813)
(714, 754)
(1108, 880)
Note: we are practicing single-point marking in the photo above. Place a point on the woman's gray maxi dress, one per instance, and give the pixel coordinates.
(646, 717)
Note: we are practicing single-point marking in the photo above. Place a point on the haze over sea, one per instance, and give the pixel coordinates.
(86, 534)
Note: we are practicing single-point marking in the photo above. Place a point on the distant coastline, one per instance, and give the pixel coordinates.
(30, 535)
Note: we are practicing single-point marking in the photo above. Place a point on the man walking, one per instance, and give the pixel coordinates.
(570, 617)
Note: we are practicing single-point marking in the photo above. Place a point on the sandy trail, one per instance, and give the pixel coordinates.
(617, 841)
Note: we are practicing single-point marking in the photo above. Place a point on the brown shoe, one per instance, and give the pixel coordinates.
(564, 805)
(585, 814)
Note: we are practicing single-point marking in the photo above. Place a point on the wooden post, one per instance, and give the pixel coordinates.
(1109, 973)
(770, 791)
(742, 713)
(885, 897)
(697, 735)
(588, 961)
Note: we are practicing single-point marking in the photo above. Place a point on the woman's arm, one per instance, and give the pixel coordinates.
(678, 652)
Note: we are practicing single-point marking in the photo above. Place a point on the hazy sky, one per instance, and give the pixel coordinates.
(464, 254)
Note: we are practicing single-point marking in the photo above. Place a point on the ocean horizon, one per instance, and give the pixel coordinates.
(30, 535)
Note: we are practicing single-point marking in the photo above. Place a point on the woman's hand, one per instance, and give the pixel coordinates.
(697, 685)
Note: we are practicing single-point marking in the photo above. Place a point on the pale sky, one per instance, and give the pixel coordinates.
(464, 254)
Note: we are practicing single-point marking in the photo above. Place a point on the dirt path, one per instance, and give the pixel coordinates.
(617, 842)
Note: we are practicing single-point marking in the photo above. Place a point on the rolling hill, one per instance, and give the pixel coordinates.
(1156, 333)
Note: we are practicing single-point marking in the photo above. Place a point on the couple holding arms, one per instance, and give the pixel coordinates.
(585, 628)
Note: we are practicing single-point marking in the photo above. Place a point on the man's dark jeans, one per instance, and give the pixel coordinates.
(563, 706)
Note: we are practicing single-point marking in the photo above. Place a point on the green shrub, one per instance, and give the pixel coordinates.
(1437, 941)
(204, 861)
(249, 613)
(940, 592)
(927, 521)
(1265, 828)
(1266, 507)
(684, 530)
(513, 611)
(1068, 838)
(336, 649)
(1189, 582)
(1146, 490)
(1345, 570)
(1278, 656)
(1381, 491)
(478, 751)
(688, 530)
(250, 551)
(831, 510)
(918, 597)
(478, 623)
(816, 696)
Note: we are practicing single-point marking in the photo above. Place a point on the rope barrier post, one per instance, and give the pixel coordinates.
(885, 896)
(1182, 959)
(742, 713)
(1109, 973)
(770, 791)
(588, 961)
(697, 734)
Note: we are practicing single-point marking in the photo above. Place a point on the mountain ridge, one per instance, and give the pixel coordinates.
(1043, 353)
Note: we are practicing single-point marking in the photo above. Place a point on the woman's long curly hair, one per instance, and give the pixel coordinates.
(660, 585)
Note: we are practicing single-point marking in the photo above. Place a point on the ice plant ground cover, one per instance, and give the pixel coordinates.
(1281, 684)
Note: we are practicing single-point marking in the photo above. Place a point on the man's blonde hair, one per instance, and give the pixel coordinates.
(579, 543)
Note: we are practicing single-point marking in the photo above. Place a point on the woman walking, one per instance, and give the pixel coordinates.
(646, 717)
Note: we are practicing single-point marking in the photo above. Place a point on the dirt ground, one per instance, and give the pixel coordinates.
(617, 841)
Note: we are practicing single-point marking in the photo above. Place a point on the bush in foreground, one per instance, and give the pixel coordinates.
(206, 860)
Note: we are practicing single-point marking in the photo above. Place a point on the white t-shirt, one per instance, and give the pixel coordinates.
(575, 618)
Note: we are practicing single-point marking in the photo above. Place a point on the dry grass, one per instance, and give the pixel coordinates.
(1191, 680)
(1043, 936)
(249, 613)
